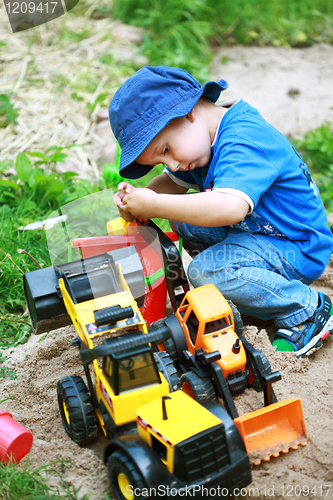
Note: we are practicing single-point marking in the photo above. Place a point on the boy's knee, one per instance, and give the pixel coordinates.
(201, 272)
(194, 273)
(204, 269)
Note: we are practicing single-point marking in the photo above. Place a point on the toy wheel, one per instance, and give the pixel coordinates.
(167, 368)
(239, 327)
(125, 477)
(171, 349)
(76, 410)
(255, 378)
(198, 388)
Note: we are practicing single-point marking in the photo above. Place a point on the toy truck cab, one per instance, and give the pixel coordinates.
(207, 321)
(128, 380)
(126, 375)
(182, 445)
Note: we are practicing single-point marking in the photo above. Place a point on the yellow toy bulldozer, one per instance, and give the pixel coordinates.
(131, 392)
(133, 395)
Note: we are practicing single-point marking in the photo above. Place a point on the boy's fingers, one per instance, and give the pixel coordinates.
(122, 185)
(125, 214)
(117, 199)
(125, 186)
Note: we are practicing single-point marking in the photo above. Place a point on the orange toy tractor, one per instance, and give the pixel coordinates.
(215, 359)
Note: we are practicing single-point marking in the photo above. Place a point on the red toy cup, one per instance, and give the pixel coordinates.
(15, 440)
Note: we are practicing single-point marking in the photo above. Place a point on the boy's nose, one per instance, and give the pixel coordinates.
(173, 165)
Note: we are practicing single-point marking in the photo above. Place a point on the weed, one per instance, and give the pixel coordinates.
(317, 151)
(4, 370)
(8, 114)
(27, 483)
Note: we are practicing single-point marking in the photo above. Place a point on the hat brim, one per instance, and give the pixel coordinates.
(128, 168)
(135, 170)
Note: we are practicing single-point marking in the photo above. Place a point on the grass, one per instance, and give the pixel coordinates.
(316, 148)
(30, 194)
(183, 32)
(27, 483)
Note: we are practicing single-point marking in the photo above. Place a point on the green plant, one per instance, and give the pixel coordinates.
(27, 483)
(183, 32)
(8, 114)
(43, 186)
(317, 151)
(28, 195)
(177, 31)
(4, 370)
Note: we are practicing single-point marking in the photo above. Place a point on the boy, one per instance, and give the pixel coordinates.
(257, 227)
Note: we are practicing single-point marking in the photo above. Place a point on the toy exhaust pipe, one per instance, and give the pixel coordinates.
(273, 429)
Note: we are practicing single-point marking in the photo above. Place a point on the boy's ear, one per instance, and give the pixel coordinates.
(191, 116)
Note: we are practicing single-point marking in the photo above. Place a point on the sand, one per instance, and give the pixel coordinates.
(293, 90)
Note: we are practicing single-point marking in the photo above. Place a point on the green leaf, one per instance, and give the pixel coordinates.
(23, 167)
(54, 187)
(75, 96)
(9, 184)
(57, 157)
(36, 154)
(7, 113)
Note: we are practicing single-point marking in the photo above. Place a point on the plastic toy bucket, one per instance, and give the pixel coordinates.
(154, 307)
(15, 440)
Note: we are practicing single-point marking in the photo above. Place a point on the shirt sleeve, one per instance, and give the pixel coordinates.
(238, 193)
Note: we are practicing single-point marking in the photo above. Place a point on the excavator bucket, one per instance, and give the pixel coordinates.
(273, 429)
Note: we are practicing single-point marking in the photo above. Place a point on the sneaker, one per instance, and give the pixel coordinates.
(308, 337)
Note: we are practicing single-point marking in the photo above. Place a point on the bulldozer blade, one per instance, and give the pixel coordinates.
(272, 430)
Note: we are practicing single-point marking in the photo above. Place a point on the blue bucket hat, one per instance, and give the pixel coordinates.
(146, 103)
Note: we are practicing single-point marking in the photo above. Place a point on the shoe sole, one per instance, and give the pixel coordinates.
(311, 345)
(315, 348)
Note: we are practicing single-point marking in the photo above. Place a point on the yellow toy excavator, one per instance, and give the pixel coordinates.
(131, 392)
(133, 395)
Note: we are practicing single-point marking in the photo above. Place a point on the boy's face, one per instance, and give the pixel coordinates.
(184, 144)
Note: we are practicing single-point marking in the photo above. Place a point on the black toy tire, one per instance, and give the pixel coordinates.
(76, 410)
(200, 389)
(122, 471)
(171, 349)
(167, 368)
(239, 327)
(256, 382)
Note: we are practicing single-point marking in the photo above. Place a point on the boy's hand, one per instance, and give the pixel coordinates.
(124, 188)
(139, 203)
